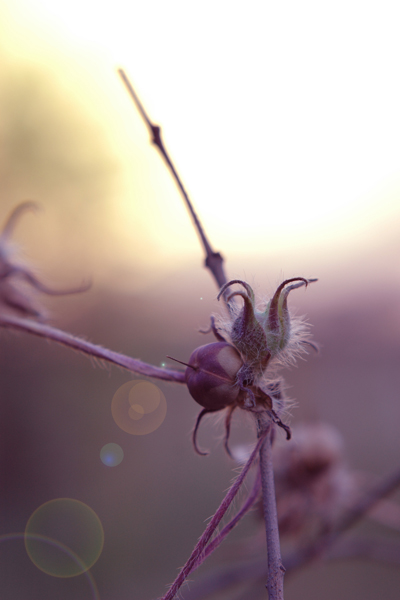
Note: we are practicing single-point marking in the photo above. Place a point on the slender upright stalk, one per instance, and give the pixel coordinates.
(276, 570)
(214, 260)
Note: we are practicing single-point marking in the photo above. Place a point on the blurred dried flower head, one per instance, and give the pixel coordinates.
(19, 286)
(313, 484)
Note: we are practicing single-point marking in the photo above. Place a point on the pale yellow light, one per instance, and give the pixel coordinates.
(282, 120)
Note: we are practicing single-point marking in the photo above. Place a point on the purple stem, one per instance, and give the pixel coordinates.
(276, 570)
(229, 526)
(360, 509)
(214, 261)
(67, 339)
(213, 524)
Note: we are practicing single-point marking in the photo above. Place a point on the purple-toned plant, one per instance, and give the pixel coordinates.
(235, 371)
(18, 283)
(239, 370)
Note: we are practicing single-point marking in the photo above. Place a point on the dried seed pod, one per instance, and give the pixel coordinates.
(211, 376)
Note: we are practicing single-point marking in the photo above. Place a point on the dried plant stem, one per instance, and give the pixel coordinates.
(368, 501)
(214, 260)
(67, 339)
(213, 524)
(276, 570)
(252, 497)
(320, 546)
(386, 513)
(328, 546)
(380, 550)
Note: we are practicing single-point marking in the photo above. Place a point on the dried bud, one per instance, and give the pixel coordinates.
(261, 336)
(18, 284)
(16, 296)
(231, 373)
(212, 374)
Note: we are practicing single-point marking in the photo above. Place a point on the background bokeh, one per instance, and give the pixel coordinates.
(283, 121)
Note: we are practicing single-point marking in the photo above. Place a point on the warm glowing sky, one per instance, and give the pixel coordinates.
(283, 118)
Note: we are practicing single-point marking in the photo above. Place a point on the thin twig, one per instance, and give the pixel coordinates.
(380, 491)
(252, 497)
(320, 546)
(386, 513)
(214, 260)
(327, 547)
(245, 572)
(227, 577)
(276, 570)
(213, 524)
(379, 550)
(30, 278)
(67, 339)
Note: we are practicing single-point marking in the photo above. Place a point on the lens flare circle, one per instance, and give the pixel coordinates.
(139, 407)
(22, 536)
(111, 455)
(64, 537)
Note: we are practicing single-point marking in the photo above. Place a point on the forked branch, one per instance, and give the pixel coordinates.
(195, 558)
(329, 545)
(249, 502)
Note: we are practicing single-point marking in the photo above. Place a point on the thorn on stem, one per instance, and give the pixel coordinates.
(182, 363)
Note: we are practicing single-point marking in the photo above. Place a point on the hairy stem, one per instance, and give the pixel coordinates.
(195, 557)
(276, 570)
(327, 546)
(67, 339)
(252, 497)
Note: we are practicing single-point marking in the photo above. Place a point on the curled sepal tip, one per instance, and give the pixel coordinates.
(195, 430)
(14, 216)
(282, 425)
(278, 327)
(279, 301)
(246, 286)
(228, 420)
(261, 336)
(18, 283)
